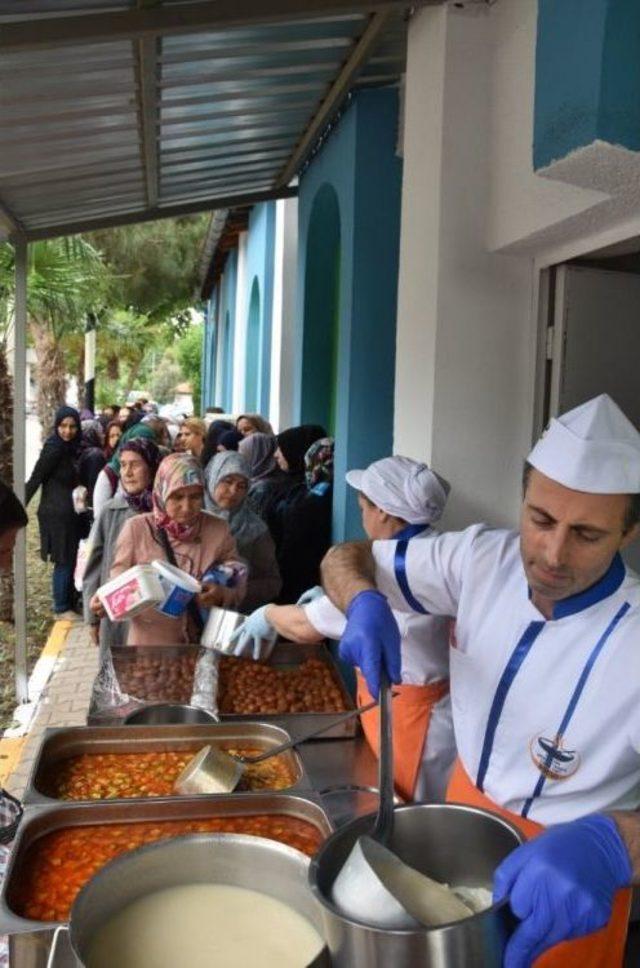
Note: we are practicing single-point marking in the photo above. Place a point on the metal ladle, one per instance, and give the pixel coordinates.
(214, 771)
(375, 886)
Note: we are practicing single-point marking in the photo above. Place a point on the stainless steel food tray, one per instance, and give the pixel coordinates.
(40, 820)
(60, 744)
(288, 654)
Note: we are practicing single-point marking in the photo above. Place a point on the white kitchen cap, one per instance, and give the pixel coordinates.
(404, 488)
(592, 448)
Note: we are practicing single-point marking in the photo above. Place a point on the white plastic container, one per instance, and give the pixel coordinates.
(178, 589)
(135, 590)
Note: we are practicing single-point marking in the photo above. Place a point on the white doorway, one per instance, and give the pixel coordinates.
(593, 339)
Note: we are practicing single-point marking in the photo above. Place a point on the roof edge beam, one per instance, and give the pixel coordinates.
(160, 212)
(183, 18)
(335, 95)
(147, 114)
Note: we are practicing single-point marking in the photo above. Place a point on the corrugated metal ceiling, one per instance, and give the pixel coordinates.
(113, 125)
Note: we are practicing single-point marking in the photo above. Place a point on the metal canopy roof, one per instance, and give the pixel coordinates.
(124, 112)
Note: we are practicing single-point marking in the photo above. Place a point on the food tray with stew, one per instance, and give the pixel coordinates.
(57, 849)
(300, 686)
(114, 762)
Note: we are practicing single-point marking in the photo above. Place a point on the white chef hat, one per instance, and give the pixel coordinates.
(404, 488)
(592, 448)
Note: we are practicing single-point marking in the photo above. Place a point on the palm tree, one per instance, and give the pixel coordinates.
(66, 277)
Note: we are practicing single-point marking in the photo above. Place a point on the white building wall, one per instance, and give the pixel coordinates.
(466, 347)
(284, 304)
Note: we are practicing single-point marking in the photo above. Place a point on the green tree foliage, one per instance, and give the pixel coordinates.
(166, 377)
(189, 353)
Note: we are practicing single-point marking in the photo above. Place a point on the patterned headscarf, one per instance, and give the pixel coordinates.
(175, 471)
(318, 463)
(150, 454)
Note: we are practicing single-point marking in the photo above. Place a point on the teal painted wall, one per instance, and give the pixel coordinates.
(226, 322)
(587, 84)
(253, 354)
(359, 165)
(260, 267)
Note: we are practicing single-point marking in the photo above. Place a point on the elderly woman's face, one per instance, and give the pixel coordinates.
(67, 428)
(230, 492)
(245, 427)
(185, 504)
(134, 472)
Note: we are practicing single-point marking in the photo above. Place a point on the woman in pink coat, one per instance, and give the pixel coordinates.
(196, 540)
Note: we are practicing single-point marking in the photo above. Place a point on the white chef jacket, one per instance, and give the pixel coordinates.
(546, 712)
(425, 659)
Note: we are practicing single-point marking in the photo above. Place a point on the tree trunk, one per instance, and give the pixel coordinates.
(52, 381)
(6, 469)
(113, 367)
(80, 378)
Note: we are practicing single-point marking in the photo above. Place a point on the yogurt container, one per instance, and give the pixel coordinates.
(178, 589)
(135, 590)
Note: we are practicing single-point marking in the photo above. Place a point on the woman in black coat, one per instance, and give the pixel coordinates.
(56, 472)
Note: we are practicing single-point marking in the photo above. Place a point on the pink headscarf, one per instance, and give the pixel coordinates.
(175, 471)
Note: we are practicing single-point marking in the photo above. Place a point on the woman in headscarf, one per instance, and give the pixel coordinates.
(253, 423)
(56, 472)
(227, 484)
(177, 530)
(270, 499)
(138, 465)
(92, 459)
(229, 440)
(214, 431)
(112, 435)
(304, 523)
(109, 477)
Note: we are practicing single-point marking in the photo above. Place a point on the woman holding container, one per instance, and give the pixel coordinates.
(177, 530)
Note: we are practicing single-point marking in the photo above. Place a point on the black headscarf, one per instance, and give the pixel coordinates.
(55, 440)
(295, 442)
(229, 439)
(212, 439)
(134, 418)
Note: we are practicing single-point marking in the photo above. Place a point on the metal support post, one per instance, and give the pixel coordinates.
(19, 465)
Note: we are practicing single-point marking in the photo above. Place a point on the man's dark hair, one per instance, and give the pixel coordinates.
(12, 513)
(631, 515)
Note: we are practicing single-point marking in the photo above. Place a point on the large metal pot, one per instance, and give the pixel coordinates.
(451, 843)
(167, 713)
(237, 859)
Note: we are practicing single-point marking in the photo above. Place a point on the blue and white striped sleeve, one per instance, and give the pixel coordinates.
(424, 575)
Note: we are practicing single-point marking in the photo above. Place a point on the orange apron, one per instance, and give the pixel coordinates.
(411, 716)
(601, 949)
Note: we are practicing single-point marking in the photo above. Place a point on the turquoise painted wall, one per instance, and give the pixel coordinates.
(587, 76)
(359, 164)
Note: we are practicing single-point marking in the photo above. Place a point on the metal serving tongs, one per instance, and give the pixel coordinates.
(215, 771)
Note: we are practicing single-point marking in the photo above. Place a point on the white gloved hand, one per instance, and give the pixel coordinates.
(310, 595)
(255, 638)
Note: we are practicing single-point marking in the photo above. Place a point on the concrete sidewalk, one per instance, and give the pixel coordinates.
(64, 701)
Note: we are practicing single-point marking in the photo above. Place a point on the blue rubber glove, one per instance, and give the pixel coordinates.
(561, 885)
(255, 638)
(310, 595)
(372, 638)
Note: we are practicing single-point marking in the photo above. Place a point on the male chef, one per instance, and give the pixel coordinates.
(545, 678)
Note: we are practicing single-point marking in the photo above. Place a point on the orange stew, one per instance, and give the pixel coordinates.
(104, 776)
(59, 864)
